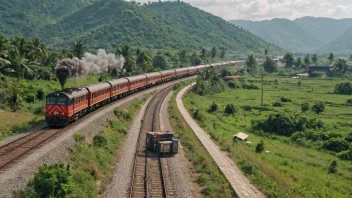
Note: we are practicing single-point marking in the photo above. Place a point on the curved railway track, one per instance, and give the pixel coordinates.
(151, 176)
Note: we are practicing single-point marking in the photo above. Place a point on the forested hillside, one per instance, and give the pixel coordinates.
(207, 27)
(341, 44)
(26, 18)
(307, 34)
(103, 23)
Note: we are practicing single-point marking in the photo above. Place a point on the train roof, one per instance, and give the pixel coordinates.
(118, 81)
(134, 78)
(167, 71)
(70, 92)
(97, 87)
(153, 74)
(181, 69)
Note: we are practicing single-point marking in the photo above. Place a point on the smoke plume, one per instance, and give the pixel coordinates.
(90, 63)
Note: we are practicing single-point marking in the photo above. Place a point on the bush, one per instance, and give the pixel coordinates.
(349, 102)
(333, 167)
(213, 107)
(30, 98)
(336, 144)
(40, 94)
(234, 84)
(100, 140)
(346, 155)
(348, 138)
(79, 138)
(305, 107)
(285, 123)
(278, 104)
(284, 99)
(231, 109)
(260, 147)
(315, 74)
(246, 108)
(52, 180)
(39, 110)
(198, 115)
(318, 107)
(249, 86)
(344, 88)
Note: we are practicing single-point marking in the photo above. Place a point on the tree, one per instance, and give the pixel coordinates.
(315, 58)
(266, 52)
(298, 63)
(270, 66)
(305, 107)
(222, 56)
(144, 61)
(344, 88)
(195, 60)
(183, 56)
(203, 54)
(288, 59)
(318, 107)
(124, 50)
(159, 61)
(260, 146)
(79, 48)
(350, 58)
(213, 52)
(15, 100)
(307, 59)
(251, 64)
(53, 180)
(331, 58)
(340, 67)
(37, 49)
(333, 167)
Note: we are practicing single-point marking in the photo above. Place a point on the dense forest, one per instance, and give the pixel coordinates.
(102, 24)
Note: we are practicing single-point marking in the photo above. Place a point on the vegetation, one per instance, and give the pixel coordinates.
(300, 146)
(208, 82)
(344, 88)
(91, 163)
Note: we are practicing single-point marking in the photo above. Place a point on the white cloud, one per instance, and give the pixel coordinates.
(268, 9)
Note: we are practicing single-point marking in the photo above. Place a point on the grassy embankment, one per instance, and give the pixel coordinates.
(93, 166)
(210, 178)
(288, 170)
(31, 111)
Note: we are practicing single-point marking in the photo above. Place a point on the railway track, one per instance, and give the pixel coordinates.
(13, 151)
(151, 176)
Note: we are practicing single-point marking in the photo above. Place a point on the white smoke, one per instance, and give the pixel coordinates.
(91, 63)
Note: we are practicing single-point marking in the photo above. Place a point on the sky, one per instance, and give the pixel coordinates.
(258, 10)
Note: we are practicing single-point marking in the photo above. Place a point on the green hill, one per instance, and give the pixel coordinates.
(342, 44)
(103, 23)
(307, 34)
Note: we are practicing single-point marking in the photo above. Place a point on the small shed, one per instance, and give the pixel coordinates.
(240, 136)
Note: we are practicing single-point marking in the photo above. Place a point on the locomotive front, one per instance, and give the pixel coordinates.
(58, 109)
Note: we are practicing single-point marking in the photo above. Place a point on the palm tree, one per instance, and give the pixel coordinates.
(144, 61)
(37, 49)
(79, 48)
(331, 58)
(123, 50)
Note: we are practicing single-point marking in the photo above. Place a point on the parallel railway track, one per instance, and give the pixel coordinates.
(151, 176)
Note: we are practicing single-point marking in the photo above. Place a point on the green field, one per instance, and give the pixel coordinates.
(284, 169)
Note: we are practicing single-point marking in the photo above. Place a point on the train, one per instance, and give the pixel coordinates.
(68, 105)
(162, 143)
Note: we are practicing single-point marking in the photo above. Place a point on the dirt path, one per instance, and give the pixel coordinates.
(238, 180)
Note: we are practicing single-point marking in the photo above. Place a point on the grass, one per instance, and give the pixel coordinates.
(288, 170)
(211, 179)
(93, 166)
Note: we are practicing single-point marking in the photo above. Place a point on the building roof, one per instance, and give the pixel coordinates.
(241, 136)
(231, 77)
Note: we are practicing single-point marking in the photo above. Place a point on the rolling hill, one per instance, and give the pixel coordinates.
(307, 34)
(103, 23)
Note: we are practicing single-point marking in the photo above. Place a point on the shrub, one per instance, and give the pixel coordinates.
(284, 99)
(79, 138)
(249, 86)
(336, 144)
(198, 115)
(315, 74)
(346, 155)
(249, 167)
(100, 140)
(30, 98)
(213, 107)
(349, 102)
(348, 138)
(344, 88)
(299, 83)
(278, 104)
(231, 109)
(285, 123)
(234, 84)
(39, 110)
(318, 107)
(260, 147)
(52, 180)
(40, 94)
(305, 107)
(333, 167)
(246, 108)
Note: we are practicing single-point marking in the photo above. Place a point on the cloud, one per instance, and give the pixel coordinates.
(268, 9)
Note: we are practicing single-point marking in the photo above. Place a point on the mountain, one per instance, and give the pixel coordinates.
(307, 34)
(27, 17)
(103, 23)
(282, 32)
(342, 44)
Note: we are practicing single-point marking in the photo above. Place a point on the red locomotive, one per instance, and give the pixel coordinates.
(68, 105)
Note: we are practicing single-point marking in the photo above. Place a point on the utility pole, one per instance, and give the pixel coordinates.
(262, 99)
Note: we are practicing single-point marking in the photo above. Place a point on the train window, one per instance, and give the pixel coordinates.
(50, 101)
(61, 101)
